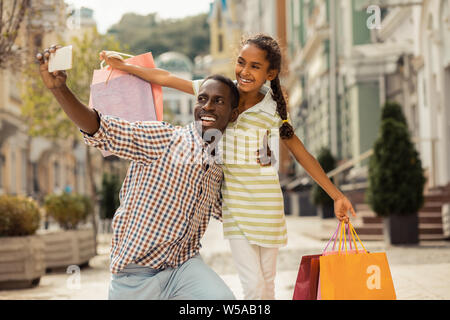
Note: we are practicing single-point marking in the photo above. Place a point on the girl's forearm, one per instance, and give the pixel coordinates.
(312, 167)
(159, 77)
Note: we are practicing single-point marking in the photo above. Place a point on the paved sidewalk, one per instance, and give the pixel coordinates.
(419, 272)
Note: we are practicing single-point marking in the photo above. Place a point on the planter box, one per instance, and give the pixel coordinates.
(65, 248)
(21, 262)
(402, 229)
(326, 212)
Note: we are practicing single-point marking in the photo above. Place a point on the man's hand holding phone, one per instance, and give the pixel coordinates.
(55, 79)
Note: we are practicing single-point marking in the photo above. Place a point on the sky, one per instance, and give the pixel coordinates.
(109, 12)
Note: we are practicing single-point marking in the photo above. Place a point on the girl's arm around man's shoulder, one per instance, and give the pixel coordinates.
(153, 75)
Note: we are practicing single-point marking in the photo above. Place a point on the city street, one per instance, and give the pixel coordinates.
(419, 272)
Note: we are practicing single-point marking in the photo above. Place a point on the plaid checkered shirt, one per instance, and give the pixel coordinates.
(171, 190)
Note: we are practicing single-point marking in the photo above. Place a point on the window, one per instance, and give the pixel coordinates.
(220, 43)
(13, 172)
(24, 171)
(34, 169)
(2, 162)
(56, 175)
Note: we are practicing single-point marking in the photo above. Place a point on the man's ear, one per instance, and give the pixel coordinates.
(234, 114)
(272, 74)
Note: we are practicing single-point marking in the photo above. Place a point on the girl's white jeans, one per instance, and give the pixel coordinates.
(256, 267)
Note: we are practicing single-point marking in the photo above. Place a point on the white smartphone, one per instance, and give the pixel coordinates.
(61, 59)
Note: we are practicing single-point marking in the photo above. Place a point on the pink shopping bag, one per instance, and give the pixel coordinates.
(119, 94)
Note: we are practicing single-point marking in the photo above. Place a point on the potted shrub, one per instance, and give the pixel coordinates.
(109, 197)
(21, 251)
(72, 245)
(325, 204)
(396, 178)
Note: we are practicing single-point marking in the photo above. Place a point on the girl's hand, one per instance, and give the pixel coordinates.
(112, 59)
(264, 155)
(341, 207)
(54, 80)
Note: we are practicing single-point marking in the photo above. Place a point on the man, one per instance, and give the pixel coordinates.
(171, 190)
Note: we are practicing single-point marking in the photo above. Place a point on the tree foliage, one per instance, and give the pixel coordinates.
(328, 163)
(109, 201)
(69, 210)
(396, 177)
(148, 33)
(19, 216)
(12, 13)
(43, 114)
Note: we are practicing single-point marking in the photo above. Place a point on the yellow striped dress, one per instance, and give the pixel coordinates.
(252, 206)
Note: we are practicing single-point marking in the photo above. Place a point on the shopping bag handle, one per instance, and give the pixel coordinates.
(334, 236)
(102, 64)
(353, 234)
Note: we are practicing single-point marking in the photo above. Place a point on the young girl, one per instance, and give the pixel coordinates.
(252, 208)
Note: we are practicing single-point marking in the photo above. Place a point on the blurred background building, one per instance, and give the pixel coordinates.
(38, 166)
(343, 60)
(178, 106)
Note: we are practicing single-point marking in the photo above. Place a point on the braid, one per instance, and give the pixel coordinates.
(273, 51)
(286, 130)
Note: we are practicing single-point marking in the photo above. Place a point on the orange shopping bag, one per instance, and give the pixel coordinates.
(119, 94)
(355, 276)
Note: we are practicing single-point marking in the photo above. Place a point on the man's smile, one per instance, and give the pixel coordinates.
(208, 120)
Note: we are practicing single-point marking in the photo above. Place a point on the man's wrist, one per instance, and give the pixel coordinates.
(59, 90)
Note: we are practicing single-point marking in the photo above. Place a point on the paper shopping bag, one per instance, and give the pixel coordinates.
(342, 244)
(307, 278)
(360, 276)
(126, 96)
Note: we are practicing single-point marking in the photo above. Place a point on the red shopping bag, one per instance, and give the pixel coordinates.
(360, 276)
(307, 278)
(126, 96)
(307, 283)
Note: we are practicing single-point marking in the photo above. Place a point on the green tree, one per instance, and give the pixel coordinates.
(109, 201)
(41, 111)
(328, 163)
(396, 177)
(12, 14)
(150, 34)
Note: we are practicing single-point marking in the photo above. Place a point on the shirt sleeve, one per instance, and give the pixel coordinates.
(216, 209)
(196, 86)
(140, 141)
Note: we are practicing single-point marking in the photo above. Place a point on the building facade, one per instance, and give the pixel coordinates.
(36, 166)
(178, 106)
(433, 46)
(225, 35)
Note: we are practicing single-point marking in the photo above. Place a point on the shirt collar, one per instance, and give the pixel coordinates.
(197, 136)
(267, 104)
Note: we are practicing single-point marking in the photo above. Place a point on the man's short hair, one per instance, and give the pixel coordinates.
(233, 88)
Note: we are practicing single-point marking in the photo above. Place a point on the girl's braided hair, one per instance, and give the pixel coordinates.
(273, 51)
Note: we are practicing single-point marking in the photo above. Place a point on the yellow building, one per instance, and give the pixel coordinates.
(225, 36)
